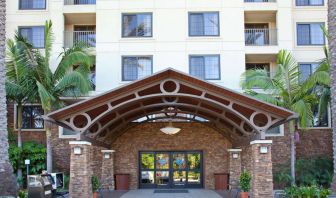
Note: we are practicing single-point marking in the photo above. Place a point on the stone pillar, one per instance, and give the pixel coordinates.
(107, 174)
(234, 166)
(261, 170)
(80, 170)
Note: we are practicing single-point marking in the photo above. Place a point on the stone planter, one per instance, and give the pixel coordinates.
(244, 195)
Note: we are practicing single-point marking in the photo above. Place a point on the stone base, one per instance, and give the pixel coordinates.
(8, 185)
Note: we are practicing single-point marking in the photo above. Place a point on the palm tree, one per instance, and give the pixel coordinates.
(19, 81)
(71, 78)
(332, 49)
(8, 185)
(283, 89)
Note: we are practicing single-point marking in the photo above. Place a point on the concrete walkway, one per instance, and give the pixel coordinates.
(149, 193)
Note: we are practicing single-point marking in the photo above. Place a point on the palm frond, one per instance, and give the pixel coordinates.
(74, 81)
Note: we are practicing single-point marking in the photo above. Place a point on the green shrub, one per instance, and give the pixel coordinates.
(33, 151)
(315, 171)
(306, 192)
(23, 194)
(95, 183)
(245, 181)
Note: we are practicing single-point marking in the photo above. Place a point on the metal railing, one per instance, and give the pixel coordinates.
(85, 37)
(261, 37)
(259, 1)
(79, 2)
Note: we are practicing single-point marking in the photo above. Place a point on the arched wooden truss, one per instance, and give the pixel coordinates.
(170, 95)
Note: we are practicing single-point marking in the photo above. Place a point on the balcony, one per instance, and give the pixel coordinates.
(84, 37)
(79, 2)
(261, 37)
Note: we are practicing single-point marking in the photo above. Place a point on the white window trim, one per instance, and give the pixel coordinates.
(15, 117)
(282, 132)
(329, 122)
(61, 136)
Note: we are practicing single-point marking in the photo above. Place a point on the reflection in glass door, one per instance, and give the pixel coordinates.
(181, 169)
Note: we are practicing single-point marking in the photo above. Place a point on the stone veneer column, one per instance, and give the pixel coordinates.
(261, 170)
(234, 165)
(80, 170)
(107, 174)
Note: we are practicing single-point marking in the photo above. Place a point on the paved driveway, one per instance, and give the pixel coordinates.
(144, 193)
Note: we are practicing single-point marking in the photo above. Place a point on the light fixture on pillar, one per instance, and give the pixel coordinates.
(235, 155)
(170, 130)
(263, 149)
(77, 150)
(107, 156)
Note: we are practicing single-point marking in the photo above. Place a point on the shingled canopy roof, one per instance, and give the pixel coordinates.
(170, 94)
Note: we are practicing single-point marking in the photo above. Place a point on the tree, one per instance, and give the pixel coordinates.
(70, 78)
(283, 89)
(19, 82)
(332, 51)
(8, 185)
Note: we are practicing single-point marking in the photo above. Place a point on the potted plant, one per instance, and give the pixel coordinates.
(245, 184)
(95, 185)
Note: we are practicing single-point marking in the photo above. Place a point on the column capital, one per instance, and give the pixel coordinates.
(234, 150)
(80, 143)
(107, 151)
(261, 142)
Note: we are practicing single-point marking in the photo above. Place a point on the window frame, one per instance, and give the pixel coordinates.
(34, 47)
(136, 14)
(134, 56)
(16, 116)
(20, 6)
(206, 12)
(296, 4)
(282, 132)
(204, 55)
(62, 136)
(310, 44)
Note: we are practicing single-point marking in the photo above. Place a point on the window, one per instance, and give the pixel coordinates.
(31, 117)
(310, 34)
(276, 131)
(66, 133)
(35, 35)
(137, 25)
(32, 4)
(309, 2)
(264, 66)
(136, 67)
(306, 69)
(205, 67)
(204, 24)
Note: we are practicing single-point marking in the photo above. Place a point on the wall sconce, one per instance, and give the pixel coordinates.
(77, 150)
(263, 149)
(235, 155)
(106, 155)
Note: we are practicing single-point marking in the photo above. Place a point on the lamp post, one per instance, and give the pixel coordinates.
(27, 162)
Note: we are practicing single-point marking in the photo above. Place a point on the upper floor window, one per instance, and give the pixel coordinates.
(204, 24)
(34, 34)
(310, 34)
(136, 67)
(137, 25)
(205, 67)
(32, 4)
(309, 2)
(32, 117)
(306, 69)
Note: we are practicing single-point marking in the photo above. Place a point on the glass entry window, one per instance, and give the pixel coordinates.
(171, 169)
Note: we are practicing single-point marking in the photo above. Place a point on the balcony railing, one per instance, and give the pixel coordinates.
(79, 2)
(85, 37)
(261, 37)
(259, 1)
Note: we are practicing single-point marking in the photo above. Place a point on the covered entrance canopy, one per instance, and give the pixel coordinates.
(167, 95)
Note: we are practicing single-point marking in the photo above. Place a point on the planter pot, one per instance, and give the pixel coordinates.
(244, 195)
(95, 194)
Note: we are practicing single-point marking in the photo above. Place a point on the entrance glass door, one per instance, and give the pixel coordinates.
(170, 169)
